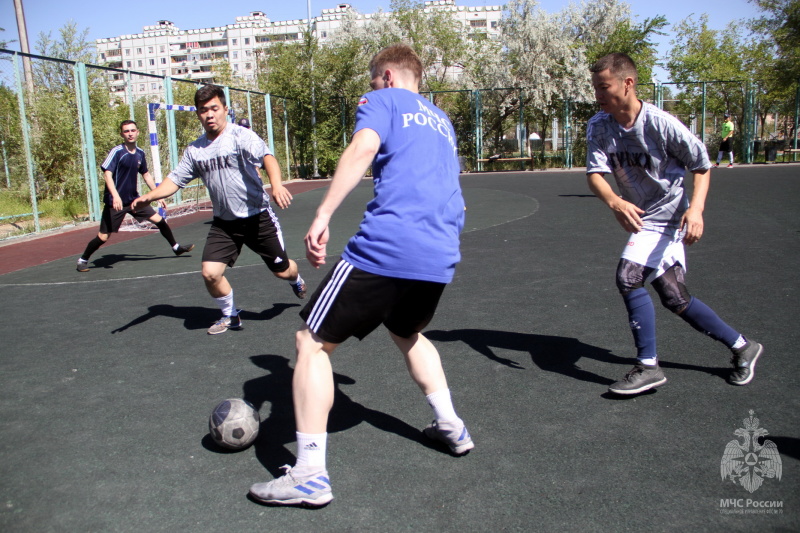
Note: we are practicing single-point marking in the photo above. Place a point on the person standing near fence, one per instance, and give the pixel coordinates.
(727, 141)
(226, 158)
(121, 170)
(392, 272)
(649, 153)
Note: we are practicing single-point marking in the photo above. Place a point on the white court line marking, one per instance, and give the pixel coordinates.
(55, 283)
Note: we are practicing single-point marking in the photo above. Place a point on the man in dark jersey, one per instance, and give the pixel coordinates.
(392, 272)
(121, 171)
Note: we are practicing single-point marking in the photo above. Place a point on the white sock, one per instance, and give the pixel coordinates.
(225, 304)
(740, 342)
(296, 280)
(649, 361)
(442, 405)
(311, 449)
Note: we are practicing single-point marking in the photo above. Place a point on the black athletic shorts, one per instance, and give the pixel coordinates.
(261, 233)
(725, 146)
(351, 302)
(111, 219)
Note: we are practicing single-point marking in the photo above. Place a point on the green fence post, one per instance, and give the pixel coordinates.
(703, 116)
(86, 121)
(26, 141)
(249, 109)
(568, 133)
(5, 164)
(286, 136)
(91, 197)
(268, 112)
(478, 106)
(796, 119)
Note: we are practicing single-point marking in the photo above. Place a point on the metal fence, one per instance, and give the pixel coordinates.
(59, 119)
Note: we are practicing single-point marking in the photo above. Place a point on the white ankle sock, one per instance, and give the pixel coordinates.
(442, 405)
(311, 449)
(225, 304)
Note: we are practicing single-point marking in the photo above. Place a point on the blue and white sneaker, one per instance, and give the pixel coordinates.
(312, 490)
(453, 433)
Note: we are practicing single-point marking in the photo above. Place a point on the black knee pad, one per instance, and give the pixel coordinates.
(671, 288)
(631, 276)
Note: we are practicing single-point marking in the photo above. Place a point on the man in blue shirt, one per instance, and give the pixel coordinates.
(121, 171)
(392, 272)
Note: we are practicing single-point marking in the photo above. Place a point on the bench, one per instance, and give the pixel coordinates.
(788, 151)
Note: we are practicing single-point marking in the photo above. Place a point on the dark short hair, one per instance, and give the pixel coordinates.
(126, 122)
(243, 122)
(208, 92)
(401, 56)
(618, 64)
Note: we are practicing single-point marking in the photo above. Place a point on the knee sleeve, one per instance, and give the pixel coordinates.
(631, 276)
(671, 288)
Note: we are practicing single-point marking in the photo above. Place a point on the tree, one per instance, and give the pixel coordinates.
(780, 27)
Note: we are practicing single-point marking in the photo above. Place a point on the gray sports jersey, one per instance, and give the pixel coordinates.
(648, 161)
(227, 166)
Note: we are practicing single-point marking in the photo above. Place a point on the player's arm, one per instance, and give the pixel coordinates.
(165, 189)
(352, 166)
(116, 201)
(692, 220)
(151, 183)
(627, 214)
(280, 194)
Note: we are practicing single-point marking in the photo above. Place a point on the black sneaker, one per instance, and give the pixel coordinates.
(744, 363)
(83, 266)
(182, 249)
(639, 379)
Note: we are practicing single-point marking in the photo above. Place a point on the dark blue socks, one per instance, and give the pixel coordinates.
(642, 319)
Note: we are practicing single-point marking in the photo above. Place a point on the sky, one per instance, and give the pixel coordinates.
(106, 19)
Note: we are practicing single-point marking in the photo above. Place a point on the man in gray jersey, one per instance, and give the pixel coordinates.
(649, 152)
(225, 158)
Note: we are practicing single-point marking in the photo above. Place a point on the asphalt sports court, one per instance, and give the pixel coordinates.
(107, 378)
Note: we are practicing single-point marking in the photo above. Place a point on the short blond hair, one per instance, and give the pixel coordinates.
(399, 55)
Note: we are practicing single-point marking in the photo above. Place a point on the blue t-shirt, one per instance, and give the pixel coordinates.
(411, 227)
(125, 168)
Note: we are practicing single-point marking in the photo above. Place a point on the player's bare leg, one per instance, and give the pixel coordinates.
(220, 289)
(307, 482)
(425, 367)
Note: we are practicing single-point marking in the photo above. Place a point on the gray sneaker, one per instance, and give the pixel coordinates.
(83, 266)
(639, 379)
(453, 433)
(744, 363)
(182, 249)
(313, 490)
(225, 323)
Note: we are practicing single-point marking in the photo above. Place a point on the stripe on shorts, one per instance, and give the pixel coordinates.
(328, 295)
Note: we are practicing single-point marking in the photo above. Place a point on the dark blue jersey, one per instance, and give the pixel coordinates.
(125, 168)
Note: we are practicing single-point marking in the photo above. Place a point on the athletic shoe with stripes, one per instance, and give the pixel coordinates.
(312, 490)
(225, 323)
(453, 433)
(299, 289)
(744, 363)
(182, 249)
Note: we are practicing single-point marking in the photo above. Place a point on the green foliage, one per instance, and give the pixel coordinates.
(632, 39)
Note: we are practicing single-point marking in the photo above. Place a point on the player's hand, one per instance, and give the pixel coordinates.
(281, 196)
(692, 223)
(628, 215)
(137, 202)
(116, 202)
(162, 203)
(316, 243)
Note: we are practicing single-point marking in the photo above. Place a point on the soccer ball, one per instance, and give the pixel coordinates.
(234, 423)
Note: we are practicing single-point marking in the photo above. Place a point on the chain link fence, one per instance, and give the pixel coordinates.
(59, 119)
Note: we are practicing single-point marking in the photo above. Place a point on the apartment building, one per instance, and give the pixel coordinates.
(165, 50)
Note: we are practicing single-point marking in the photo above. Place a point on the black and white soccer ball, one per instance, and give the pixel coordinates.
(234, 423)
